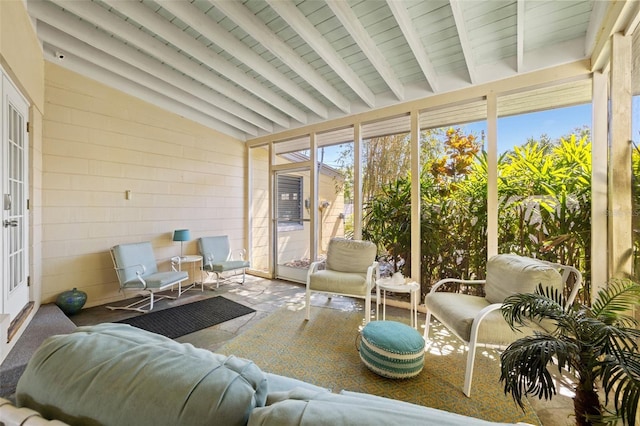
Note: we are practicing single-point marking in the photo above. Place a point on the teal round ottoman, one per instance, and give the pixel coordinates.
(392, 349)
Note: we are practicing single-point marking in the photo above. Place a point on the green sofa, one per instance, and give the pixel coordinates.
(115, 374)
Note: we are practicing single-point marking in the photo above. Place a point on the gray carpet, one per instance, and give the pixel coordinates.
(48, 321)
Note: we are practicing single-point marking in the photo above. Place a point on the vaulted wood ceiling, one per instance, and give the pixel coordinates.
(254, 67)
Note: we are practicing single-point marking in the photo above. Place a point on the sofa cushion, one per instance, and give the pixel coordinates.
(345, 255)
(509, 274)
(115, 374)
(300, 407)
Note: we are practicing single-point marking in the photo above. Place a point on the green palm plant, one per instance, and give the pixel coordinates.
(597, 343)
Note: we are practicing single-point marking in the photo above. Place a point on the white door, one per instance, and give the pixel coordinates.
(15, 148)
(292, 225)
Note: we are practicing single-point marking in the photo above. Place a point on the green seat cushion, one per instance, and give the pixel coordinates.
(339, 282)
(457, 312)
(392, 349)
(228, 265)
(115, 374)
(158, 280)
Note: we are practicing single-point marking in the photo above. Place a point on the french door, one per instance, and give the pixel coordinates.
(14, 155)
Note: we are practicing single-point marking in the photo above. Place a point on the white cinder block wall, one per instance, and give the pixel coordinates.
(97, 144)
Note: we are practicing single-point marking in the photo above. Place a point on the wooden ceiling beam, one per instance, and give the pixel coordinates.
(162, 28)
(100, 17)
(301, 25)
(354, 27)
(209, 28)
(270, 41)
(402, 17)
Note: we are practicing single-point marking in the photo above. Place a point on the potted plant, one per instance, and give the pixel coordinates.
(597, 344)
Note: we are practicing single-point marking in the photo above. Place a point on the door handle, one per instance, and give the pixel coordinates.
(8, 223)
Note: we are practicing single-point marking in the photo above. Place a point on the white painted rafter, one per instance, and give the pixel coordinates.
(161, 27)
(84, 67)
(81, 30)
(401, 14)
(72, 45)
(352, 24)
(261, 32)
(301, 25)
(520, 11)
(598, 12)
(100, 17)
(465, 43)
(209, 28)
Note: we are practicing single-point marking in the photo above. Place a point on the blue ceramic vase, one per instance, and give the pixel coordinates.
(71, 301)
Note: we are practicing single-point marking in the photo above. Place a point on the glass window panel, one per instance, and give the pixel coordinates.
(453, 190)
(259, 208)
(544, 187)
(386, 192)
(335, 186)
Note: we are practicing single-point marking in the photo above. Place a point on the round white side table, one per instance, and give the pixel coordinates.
(195, 261)
(386, 284)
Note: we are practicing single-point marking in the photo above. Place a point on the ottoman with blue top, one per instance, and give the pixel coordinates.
(392, 349)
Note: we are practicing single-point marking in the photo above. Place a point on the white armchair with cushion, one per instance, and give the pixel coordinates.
(351, 270)
(477, 320)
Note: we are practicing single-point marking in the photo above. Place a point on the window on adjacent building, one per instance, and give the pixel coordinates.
(290, 202)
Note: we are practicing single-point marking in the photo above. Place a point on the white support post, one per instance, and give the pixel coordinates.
(357, 181)
(599, 143)
(492, 178)
(620, 174)
(313, 217)
(415, 197)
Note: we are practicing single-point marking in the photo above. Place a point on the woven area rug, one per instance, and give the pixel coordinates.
(323, 351)
(188, 318)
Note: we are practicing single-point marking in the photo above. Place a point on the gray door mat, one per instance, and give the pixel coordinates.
(48, 321)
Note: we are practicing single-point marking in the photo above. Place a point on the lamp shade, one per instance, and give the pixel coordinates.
(181, 235)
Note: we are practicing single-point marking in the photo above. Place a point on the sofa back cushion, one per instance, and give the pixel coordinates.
(115, 374)
(350, 255)
(509, 274)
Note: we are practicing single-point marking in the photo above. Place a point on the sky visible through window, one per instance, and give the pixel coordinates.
(516, 130)
(555, 123)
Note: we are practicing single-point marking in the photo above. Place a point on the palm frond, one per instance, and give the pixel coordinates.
(622, 376)
(544, 303)
(612, 302)
(620, 340)
(524, 365)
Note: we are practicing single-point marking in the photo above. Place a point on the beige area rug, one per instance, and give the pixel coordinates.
(323, 351)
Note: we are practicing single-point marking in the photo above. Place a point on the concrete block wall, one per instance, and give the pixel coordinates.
(99, 143)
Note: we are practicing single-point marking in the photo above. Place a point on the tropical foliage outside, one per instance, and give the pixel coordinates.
(544, 189)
